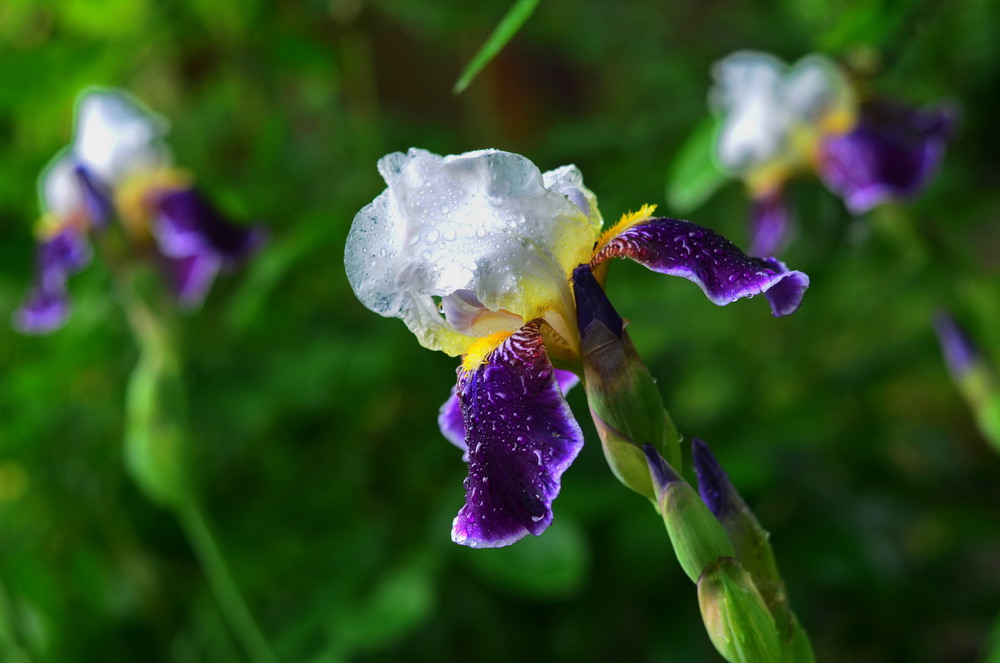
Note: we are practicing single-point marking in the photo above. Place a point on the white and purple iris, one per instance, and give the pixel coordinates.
(780, 120)
(476, 254)
(118, 167)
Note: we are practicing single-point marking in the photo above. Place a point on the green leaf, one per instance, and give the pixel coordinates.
(695, 175)
(508, 27)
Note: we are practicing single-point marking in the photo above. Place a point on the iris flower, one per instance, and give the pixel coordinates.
(475, 253)
(118, 167)
(780, 120)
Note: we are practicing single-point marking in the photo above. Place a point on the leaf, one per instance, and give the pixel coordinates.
(508, 27)
(695, 175)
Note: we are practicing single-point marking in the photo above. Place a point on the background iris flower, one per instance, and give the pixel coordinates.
(118, 167)
(778, 121)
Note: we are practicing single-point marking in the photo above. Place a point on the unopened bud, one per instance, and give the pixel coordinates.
(624, 400)
(696, 535)
(736, 619)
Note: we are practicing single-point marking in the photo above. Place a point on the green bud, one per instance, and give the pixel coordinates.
(155, 440)
(696, 535)
(624, 400)
(736, 619)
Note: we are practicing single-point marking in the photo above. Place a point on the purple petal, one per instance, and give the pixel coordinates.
(187, 224)
(44, 311)
(60, 256)
(521, 437)
(191, 277)
(770, 224)
(716, 491)
(892, 153)
(95, 197)
(450, 415)
(960, 353)
(722, 271)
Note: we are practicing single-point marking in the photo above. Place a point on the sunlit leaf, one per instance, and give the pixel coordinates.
(503, 33)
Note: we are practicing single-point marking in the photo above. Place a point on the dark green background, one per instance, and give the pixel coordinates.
(314, 420)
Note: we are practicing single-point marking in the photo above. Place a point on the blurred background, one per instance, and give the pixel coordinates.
(314, 420)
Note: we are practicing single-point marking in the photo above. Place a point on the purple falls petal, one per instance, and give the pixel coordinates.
(716, 491)
(892, 153)
(187, 224)
(191, 277)
(770, 224)
(44, 311)
(960, 352)
(722, 271)
(521, 437)
(97, 200)
(60, 256)
(450, 415)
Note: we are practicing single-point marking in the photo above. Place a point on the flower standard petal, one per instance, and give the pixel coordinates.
(115, 136)
(483, 222)
(521, 437)
(722, 271)
(892, 153)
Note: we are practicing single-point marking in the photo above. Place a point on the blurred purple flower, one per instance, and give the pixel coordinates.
(118, 167)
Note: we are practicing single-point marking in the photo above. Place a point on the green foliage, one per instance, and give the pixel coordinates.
(504, 32)
(695, 174)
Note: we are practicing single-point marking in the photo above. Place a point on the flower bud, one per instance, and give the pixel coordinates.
(624, 401)
(736, 619)
(697, 536)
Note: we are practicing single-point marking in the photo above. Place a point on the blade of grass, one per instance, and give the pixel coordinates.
(508, 27)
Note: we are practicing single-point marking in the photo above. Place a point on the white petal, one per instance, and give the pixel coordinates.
(749, 89)
(116, 137)
(481, 222)
(59, 187)
(813, 86)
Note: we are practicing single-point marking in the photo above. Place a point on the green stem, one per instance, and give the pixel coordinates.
(226, 592)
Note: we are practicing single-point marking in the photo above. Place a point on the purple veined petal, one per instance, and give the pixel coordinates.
(722, 271)
(450, 415)
(960, 352)
(770, 224)
(191, 277)
(892, 153)
(521, 437)
(60, 256)
(186, 224)
(96, 198)
(44, 310)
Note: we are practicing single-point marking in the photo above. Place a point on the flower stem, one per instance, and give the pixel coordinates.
(223, 586)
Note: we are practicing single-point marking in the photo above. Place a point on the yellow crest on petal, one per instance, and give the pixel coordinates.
(481, 348)
(627, 221)
(132, 196)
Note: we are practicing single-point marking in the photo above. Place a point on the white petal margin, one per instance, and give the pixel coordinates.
(116, 136)
(483, 221)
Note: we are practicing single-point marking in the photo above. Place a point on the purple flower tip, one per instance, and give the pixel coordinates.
(659, 469)
(713, 482)
(960, 352)
(592, 304)
(45, 311)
